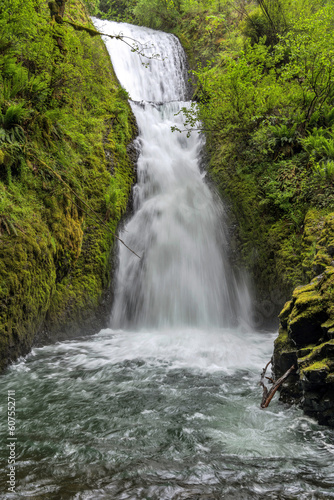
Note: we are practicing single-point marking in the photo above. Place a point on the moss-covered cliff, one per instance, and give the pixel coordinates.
(65, 175)
(264, 86)
(306, 334)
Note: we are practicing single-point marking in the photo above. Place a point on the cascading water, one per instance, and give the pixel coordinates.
(167, 409)
(183, 277)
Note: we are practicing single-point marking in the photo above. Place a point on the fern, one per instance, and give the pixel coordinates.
(15, 114)
(329, 117)
(19, 81)
(329, 149)
(284, 134)
(11, 131)
(325, 170)
(320, 145)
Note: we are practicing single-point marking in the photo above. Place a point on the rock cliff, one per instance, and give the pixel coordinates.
(306, 333)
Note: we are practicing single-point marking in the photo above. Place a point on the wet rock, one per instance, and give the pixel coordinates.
(314, 378)
(304, 352)
(307, 335)
(285, 355)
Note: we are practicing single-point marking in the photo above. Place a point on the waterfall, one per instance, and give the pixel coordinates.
(179, 226)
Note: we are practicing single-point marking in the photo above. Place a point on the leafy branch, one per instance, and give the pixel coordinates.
(135, 47)
(192, 121)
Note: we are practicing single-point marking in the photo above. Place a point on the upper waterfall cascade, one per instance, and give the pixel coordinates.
(178, 226)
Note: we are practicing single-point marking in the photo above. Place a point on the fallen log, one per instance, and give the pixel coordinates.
(269, 394)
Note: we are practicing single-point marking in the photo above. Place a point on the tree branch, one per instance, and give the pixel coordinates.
(94, 32)
(269, 394)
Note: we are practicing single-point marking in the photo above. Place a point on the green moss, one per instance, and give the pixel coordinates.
(310, 300)
(55, 256)
(277, 248)
(305, 351)
(28, 277)
(304, 291)
(316, 366)
(315, 354)
(321, 261)
(312, 303)
(313, 225)
(283, 342)
(329, 324)
(285, 313)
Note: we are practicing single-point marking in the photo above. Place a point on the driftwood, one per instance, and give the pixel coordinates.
(268, 394)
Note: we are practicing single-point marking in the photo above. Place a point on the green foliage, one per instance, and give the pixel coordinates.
(14, 115)
(246, 90)
(284, 134)
(10, 129)
(308, 72)
(158, 14)
(319, 144)
(162, 14)
(268, 22)
(266, 103)
(117, 10)
(255, 26)
(325, 170)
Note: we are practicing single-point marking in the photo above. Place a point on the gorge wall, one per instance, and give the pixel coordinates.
(66, 171)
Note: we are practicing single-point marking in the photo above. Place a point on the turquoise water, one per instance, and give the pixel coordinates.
(160, 415)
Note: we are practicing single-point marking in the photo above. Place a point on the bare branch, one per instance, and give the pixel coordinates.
(269, 394)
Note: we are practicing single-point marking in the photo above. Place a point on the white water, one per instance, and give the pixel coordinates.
(178, 227)
(163, 415)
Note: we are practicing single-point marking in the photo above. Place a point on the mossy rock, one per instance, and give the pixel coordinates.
(285, 355)
(290, 391)
(321, 261)
(315, 374)
(323, 353)
(307, 324)
(285, 313)
(29, 278)
(306, 317)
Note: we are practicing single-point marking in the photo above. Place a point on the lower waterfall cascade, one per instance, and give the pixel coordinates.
(164, 404)
(178, 227)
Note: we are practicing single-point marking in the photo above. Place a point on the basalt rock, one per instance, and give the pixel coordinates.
(306, 337)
